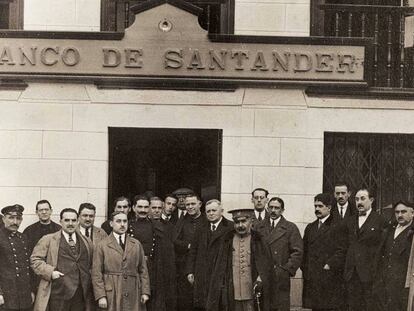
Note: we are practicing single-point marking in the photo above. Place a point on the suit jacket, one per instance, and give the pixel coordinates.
(286, 247)
(323, 289)
(256, 221)
(362, 245)
(202, 257)
(44, 260)
(350, 211)
(120, 276)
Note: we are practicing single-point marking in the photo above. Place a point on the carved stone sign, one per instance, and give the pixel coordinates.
(167, 43)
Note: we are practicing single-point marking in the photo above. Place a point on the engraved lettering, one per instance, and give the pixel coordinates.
(173, 58)
(195, 60)
(303, 62)
(6, 57)
(25, 57)
(259, 62)
(346, 61)
(324, 62)
(132, 59)
(49, 51)
(239, 55)
(220, 61)
(112, 57)
(279, 62)
(70, 56)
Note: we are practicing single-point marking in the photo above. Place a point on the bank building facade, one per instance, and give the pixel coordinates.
(102, 98)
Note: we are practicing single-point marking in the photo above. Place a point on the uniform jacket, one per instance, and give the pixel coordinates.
(323, 289)
(120, 276)
(15, 278)
(391, 268)
(44, 260)
(221, 292)
(286, 248)
(203, 255)
(362, 245)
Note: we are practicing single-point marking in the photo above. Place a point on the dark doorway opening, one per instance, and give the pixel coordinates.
(162, 160)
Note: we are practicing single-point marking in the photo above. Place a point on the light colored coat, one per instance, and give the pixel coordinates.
(44, 260)
(120, 276)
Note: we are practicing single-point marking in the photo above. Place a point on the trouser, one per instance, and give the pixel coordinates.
(360, 294)
(76, 303)
(244, 305)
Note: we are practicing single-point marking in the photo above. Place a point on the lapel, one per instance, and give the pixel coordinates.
(113, 243)
(221, 229)
(367, 222)
(54, 248)
(315, 232)
(128, 247)
(277, 232)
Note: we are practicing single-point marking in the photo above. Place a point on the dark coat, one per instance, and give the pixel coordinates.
(350, 211)
(391, 269)
(286, 247)
(161, 268)
(15, 279)
(36, 231)
(221, 292)
(323, 289)
(203, 255)
(362, 246)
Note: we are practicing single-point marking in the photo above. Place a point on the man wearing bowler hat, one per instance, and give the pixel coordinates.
(15, 275)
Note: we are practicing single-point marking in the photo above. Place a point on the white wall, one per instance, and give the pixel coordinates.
(62, 15)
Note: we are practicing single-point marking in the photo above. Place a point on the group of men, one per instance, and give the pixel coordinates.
(170, 254)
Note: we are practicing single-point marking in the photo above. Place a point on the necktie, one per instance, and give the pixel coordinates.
(342, 211)
(181, 214)
(260, 217)
(273, 224)
(72, 243)
(213, 228)
(122, 244)
(320, 224)
(87, 232)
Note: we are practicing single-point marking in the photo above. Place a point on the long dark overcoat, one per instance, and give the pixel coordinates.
(323, 289)
(286, 247)
(221, 291)
(202, 257)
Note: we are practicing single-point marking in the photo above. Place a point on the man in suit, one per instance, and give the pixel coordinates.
(343, 208)
(286, 248)
(119, 270)
(16, 288)
(87, 213)
(323, 260)
(121, 204)
(169, 214)
(259, 200)
(184, 236)
(63, 261)
(203, 252)
(364, 232)
(393, 260)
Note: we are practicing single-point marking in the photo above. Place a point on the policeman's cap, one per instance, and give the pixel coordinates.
(183, 191)
(16, 210)
(242, 212)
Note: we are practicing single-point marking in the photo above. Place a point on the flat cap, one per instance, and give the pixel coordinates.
(183, 191)
(15, 209)
(241, 212)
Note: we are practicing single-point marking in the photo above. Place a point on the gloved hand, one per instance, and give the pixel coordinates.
(257, 287)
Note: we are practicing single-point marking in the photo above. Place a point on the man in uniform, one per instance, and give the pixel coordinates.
(323, 260)
(259, 200)
(364, 233)
(119, 270)
(203, 252)
(16, 291)
(241, 275)
(121, 204)
(185, 232)
(87, 213)
(63, 260)
(393, 260)
(286, 246)
(159, 252)
(343, 208)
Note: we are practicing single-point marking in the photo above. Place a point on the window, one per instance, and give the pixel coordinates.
(382, 162)
(162, 160)
(217, 16)
(11, 14)
(382, 20)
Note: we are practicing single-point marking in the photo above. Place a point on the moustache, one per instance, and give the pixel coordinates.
(317, 212)
(360, 205)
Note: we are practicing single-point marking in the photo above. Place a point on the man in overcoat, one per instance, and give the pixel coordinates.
(119, 271)
(323, 260)
(393, 260)
(16, 288)
(241, 275)
(63, 261)
(364, 234)
(286, 246)
(203, 252)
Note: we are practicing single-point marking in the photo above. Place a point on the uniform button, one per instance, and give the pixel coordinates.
(15, 261)
(14, 255)
(126, 294)
(14, 249)
(17, 275)
(11, 243)
(17, 268)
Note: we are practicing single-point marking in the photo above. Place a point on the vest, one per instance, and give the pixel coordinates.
(75, 267)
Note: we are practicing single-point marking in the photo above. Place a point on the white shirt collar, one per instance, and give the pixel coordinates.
(262, 213)
(116, 235)
(165, 217)
(403, 227)
(322, 220)
(66, 235)
(83, 230)
(217, 223)
(276, 221)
